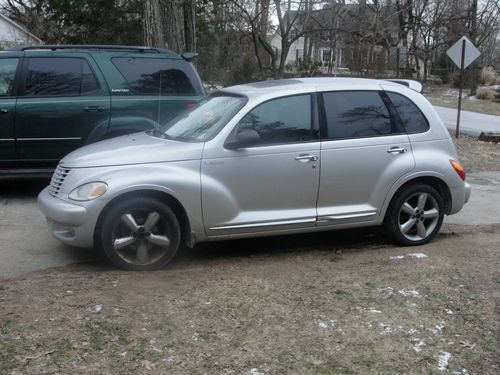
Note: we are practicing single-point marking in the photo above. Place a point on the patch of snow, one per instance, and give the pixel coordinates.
(386, 328)
(333, 322)
(412, 331)
(417, 346)
(369, 325)
(449, 312)
(323, 325)
(439, 327)
(254, 371)
(463, 372)
(326, 324)
(397, 257)
(409, 293)
(97, 308)
(195, 336)
(417, 255)
(443, 359)
(375, 311)
(389, 290)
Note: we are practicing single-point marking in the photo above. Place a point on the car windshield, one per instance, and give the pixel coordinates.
(204, 121)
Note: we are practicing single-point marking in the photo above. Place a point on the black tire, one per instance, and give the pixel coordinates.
(151, 247)
(417, 227)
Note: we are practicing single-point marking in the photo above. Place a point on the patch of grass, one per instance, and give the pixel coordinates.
(102, 333)
(62, 349)
(482, 106)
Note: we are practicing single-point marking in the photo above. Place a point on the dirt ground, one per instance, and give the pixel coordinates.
(346, 302)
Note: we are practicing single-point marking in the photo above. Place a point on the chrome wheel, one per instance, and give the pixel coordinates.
(141, 237)
(418, 216)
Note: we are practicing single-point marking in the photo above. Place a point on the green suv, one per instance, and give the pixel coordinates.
(54, 99)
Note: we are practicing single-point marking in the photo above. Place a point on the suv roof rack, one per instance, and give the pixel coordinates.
(97, 47)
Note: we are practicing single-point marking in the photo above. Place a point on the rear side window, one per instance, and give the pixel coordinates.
(412, 118)
(151, 76)
(7, 73)
(283, 120)
(357, 114)
(54, 76)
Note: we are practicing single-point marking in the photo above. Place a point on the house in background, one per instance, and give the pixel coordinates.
(13, 34)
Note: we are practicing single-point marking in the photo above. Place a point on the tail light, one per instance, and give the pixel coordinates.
(458, 168)
(189, 105)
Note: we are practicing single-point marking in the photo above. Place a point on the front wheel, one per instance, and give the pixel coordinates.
(415, 215)
(140, 234)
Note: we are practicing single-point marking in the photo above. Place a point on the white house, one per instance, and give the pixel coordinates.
(12, 34)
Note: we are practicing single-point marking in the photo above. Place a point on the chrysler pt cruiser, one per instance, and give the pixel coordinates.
(261, 159)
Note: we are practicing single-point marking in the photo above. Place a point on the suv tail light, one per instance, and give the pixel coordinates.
(458, 168)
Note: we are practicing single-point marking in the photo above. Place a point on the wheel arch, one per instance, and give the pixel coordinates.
(170, 200)
(435, 182)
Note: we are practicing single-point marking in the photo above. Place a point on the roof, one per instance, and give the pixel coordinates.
(19, 27)
(298, 85)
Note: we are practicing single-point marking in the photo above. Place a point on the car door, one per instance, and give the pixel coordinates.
(61, 102)
(8, 68)
(271, 185)
(365, 152)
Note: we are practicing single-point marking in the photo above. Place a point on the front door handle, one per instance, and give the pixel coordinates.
(93, 108)
(396, 150)
(306, 158)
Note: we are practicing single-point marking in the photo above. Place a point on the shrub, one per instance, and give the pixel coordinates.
(485, 93)
(488, 76)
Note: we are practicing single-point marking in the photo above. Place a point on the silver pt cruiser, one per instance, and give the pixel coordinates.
(260, 159)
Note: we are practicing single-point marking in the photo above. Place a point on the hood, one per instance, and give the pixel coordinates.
(137, 148)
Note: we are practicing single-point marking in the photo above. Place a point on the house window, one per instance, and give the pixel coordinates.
(326, 55)
(299, 53)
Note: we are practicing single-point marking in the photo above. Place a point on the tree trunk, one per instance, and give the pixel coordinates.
(189, 8)
(173, 20)
(473, 35)
(153, 25)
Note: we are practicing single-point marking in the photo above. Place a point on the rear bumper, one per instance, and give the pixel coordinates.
(467, 192)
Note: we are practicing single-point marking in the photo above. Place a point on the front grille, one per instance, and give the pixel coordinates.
(57, 180)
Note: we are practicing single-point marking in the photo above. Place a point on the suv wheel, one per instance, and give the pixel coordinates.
(415, 215)
(140, 234)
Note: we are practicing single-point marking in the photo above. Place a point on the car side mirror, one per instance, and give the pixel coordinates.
(244, 138)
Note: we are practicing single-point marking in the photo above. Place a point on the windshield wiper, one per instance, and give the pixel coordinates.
(157, 133)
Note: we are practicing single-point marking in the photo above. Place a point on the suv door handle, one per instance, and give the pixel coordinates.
(396, 150)
(93, 108)
(306, 158)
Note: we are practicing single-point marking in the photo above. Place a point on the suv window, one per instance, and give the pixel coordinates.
(412, 118)
(283, 120)
(59, 76)
(153, 76)
(357, 114)
(7, 73)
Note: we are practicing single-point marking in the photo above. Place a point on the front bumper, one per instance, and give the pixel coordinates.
(70, 223)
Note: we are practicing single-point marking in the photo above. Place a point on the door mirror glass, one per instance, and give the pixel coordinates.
(244, 138)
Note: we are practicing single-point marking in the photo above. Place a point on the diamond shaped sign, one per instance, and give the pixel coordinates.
(470, 54)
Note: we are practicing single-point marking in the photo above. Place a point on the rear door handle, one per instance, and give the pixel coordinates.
(93, 108)
(306, 158)
(396, 150)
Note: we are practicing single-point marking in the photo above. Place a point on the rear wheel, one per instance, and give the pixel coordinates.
(415, 215)
(140, 234)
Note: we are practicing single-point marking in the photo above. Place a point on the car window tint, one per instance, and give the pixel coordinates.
(412, 118)
(283, 120)
(7, 74)
(50, 76)
(154, 76)
(356, 114)
(89, 81)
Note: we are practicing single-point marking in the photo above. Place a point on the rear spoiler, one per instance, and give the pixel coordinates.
(414, 85)
(188, 56)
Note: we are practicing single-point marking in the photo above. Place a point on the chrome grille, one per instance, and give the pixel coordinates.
(57, 180)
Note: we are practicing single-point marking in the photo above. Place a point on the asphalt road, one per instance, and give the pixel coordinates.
(26, 245)
(472, 123)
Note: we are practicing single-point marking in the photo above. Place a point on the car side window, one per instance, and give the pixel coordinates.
(358, 114)
(8, 69)
(150, 76)
(412, 118)
(283, 120)
(59, 76)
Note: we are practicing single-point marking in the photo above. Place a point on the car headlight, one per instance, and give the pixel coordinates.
(89, 191)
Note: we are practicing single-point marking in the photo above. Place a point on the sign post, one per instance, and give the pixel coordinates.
(462, 53)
